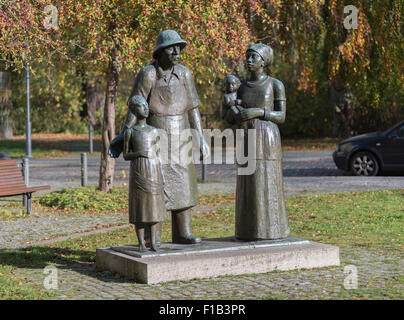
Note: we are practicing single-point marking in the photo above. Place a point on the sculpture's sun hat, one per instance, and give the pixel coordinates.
(168, 38)
(266, 52)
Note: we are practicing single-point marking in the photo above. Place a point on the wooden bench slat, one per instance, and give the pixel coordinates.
(11, 185)
(11, 181)
(9, 168)
(6, 178)
(8, 173)
(9, 165)
(25, 187)
(4, 184)
(13, 188)
(16, 177)
(11, 178)
(5, 170)
(12, 174)
(27, 190)
(23, 191)
(12, 193)
(7, 181)
(5, 163)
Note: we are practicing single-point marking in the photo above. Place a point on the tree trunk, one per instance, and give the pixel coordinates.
(6, 128)
(341, 100)
(106, 179)
(94, 98)
(341, 97)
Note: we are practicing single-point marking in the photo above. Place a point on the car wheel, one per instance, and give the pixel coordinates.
(364, 164)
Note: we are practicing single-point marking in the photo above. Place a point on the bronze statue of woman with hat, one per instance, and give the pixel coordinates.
(260, 203)
(173, 101)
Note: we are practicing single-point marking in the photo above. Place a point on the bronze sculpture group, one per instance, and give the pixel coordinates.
(164, 97)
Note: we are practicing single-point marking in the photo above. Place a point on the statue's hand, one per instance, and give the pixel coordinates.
(251, 113)
(113, 152)
(116, 146)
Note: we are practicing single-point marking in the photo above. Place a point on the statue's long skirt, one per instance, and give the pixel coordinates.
(146, 193)
(260, 203)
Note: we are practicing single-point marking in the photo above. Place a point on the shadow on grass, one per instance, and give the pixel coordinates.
(81, 261)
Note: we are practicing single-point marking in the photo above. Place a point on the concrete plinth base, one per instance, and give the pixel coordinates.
(215, 257)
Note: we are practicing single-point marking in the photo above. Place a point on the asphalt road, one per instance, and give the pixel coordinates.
(304, 172)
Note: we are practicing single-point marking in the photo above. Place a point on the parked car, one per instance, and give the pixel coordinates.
(370, 153)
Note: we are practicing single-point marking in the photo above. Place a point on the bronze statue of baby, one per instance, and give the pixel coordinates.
(231, 106)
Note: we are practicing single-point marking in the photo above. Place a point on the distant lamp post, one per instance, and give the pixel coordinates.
(90, 136)
(28, 124)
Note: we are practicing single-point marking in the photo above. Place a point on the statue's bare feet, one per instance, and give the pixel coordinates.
(142, 247)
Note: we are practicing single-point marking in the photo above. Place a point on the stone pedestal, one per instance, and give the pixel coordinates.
(215, 257)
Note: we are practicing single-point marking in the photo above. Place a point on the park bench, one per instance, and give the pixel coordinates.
(12, 183)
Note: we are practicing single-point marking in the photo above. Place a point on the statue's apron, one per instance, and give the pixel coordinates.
(168, 105)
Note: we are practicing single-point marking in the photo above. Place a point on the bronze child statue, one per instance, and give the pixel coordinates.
(146, 193)
(230, 101)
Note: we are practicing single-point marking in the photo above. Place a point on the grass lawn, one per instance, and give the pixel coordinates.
(17, 150)
(86, 200)
(319, 144)
(50, 145)
(370, 220)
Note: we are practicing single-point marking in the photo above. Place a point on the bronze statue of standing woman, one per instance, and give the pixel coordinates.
(260, 202)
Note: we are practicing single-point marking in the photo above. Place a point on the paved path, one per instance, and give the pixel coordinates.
(374, 274)
(43, 226)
